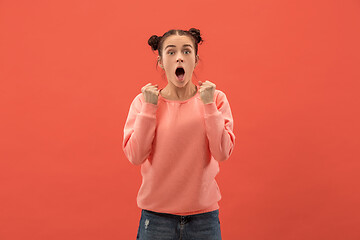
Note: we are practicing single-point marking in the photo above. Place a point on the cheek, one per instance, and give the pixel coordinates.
(192, 63)
(192, 60)
(166, 62)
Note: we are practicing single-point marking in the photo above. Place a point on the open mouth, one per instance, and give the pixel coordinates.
(180, 72)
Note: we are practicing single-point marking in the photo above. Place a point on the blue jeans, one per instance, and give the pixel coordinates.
(163, 226)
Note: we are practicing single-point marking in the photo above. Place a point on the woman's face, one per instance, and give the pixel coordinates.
(178, 59)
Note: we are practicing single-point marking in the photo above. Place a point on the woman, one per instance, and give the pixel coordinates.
(178, 135)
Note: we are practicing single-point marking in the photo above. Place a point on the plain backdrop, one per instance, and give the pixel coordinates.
(69, 70)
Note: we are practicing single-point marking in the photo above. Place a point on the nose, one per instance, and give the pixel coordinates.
(179, 59)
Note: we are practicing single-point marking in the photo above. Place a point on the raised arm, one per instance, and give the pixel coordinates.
(139, 130)
(219, 127)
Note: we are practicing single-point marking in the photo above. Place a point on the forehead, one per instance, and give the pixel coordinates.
(178, 41)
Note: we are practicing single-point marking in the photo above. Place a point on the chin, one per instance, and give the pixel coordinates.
(179, 84)
(183, 84)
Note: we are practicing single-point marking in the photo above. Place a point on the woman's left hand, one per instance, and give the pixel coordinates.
(207, 90)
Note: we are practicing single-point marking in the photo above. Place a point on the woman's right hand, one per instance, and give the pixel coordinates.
(150, 93)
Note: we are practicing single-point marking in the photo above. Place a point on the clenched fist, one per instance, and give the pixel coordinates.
(207, 90)
(150, 93)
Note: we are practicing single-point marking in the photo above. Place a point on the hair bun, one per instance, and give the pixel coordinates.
(196, 34)
(154, 42)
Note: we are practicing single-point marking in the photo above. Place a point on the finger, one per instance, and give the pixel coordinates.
(150, 90)
(208, 84)
(153, 88)
(145, 86)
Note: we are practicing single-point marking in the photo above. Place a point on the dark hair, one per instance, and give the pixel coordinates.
(156, 42)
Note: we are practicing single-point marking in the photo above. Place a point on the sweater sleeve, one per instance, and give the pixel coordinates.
(139, 130)
(219, 127)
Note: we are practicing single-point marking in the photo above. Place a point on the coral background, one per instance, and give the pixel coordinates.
(70, 69)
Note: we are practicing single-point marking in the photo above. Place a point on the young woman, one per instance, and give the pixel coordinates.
(178, 135)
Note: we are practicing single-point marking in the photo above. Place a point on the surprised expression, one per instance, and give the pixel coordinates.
(178, 59)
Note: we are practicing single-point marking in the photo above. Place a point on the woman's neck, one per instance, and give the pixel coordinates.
(172, 92)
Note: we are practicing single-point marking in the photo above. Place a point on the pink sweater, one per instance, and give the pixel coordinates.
(179, 145)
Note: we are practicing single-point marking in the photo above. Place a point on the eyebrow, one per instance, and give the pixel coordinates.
(185, 45)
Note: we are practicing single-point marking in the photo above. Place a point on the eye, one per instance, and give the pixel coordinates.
(170, 52)
(187, 52)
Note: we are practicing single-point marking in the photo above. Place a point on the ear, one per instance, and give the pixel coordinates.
(160, 62)
(196, 60)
